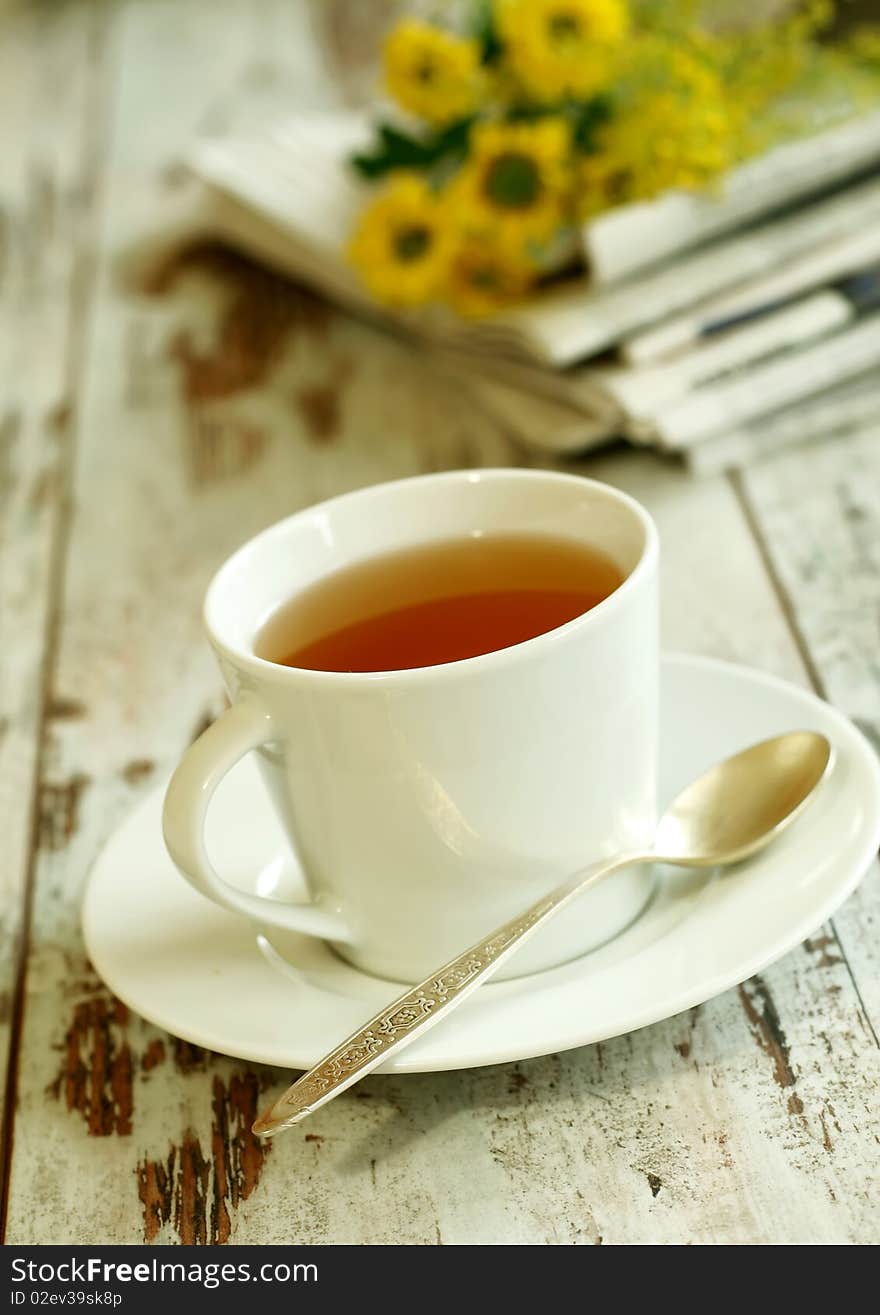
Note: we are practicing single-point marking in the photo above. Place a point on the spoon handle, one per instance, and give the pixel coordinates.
(420, 1007)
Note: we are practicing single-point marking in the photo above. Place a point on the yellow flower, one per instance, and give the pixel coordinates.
(695, 133)
(484, 276)
(560, 48)
(514, 185)
(402, 242)
(432, 73)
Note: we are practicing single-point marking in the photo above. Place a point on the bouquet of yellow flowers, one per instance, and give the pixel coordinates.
(544, 113)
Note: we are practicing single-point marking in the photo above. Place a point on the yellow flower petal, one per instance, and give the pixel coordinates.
(483, 276)
(432, 73)
(403, 242)
(514, 186)
(561, 48)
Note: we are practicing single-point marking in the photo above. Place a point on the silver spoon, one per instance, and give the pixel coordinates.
(726, 815)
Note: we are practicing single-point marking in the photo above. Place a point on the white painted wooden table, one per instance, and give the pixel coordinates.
(142, 437)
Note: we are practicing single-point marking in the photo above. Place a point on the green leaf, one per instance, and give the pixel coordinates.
(588, 118)
(484, 31)
(527, 112)
(399, 150)
(368, 166)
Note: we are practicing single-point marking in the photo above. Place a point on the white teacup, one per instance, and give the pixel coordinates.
(425, 806)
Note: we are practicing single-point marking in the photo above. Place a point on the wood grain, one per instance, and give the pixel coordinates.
(817, 515)
(204, 408)
(48, 151)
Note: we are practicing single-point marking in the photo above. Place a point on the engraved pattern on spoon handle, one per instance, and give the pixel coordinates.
(419, 1008)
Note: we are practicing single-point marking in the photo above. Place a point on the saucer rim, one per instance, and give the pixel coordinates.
(704, 989)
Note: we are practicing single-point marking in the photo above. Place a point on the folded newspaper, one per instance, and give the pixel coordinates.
(703, 323)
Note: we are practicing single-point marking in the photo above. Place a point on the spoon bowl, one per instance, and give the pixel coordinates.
(740, 805)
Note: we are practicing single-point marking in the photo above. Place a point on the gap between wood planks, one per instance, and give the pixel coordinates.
(814, 676)
(97, 122)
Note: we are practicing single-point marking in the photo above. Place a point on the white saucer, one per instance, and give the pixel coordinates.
(209, 977)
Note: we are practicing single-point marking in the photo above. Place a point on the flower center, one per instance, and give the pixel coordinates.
(411, 243)
(512, 180)
(425, 71)
(564, 27)
(486, 278)
(617, 185)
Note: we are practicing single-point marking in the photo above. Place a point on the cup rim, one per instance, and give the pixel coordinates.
(245, 659)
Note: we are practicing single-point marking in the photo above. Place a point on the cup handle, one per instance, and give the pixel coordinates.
(244, 726)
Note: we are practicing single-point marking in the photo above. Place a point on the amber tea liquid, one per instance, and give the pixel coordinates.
(438, 603)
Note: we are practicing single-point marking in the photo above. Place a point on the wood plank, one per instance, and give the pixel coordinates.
(816, 511)
(46, 195)
(209, 411)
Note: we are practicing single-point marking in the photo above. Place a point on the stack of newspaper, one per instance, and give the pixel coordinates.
(722, 327)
